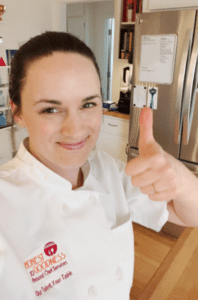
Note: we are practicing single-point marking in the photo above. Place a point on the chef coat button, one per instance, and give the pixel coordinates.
(93, 199)
(92, 291)
(119, 273)
(65, 209)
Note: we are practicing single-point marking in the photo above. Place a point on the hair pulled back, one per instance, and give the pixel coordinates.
(38, 47)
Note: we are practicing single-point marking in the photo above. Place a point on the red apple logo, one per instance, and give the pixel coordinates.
(50, 248)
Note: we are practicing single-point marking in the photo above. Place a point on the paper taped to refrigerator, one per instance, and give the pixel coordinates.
(139, 96)
(157, 61)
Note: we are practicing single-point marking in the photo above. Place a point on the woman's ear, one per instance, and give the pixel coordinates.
(17, 114)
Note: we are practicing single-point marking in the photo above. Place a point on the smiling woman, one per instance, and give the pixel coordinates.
(44, 45)
(56, 103)
(65, 209)
(69, 119)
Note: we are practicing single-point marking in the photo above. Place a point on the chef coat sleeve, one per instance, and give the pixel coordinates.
(146, 212)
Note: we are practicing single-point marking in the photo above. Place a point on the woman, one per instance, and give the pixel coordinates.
(66, 211)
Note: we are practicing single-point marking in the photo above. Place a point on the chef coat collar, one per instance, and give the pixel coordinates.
(39, 172)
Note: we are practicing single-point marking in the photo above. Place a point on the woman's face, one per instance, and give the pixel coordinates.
(61, 109)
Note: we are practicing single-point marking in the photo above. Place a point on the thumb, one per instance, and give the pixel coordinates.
(146, 129)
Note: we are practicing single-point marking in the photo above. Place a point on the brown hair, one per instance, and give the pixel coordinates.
(41, 46)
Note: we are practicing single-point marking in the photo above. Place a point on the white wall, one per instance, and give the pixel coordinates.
(95, 13)
(25, 19)
(85, 11)
(145, 6)
(153, 5)
(103, 11)
(90, 30)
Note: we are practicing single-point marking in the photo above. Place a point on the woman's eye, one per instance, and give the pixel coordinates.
(49, 110)
(89, 105)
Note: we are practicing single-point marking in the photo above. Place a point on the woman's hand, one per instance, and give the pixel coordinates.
(162, 177)
(154, 171)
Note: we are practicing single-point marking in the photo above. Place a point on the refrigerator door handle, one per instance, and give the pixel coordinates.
(191, 89)
(181, 84)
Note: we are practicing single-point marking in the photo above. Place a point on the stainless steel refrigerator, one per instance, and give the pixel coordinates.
(165, 63)
(165, 60)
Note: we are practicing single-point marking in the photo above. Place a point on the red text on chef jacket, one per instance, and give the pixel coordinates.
(38, 263)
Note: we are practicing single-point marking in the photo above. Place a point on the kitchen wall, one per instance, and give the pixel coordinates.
(25, 19)
(94, 15)
(145, 6)
(103, 11)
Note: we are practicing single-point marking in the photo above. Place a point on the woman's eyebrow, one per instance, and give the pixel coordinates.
(91, 97)
(56, 102)
(48, 101)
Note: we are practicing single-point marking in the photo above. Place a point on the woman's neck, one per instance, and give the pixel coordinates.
(73, 175)
(80, 180)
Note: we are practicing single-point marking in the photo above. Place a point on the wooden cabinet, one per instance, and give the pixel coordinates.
(127, 31)
(114, 137)
(118, 63)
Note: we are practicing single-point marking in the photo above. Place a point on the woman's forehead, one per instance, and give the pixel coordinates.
(62, 61)
(68, 73)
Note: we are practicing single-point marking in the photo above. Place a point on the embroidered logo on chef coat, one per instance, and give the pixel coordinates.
(48, 267)
(50, 249)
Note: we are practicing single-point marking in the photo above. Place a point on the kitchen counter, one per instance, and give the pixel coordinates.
(116, 114)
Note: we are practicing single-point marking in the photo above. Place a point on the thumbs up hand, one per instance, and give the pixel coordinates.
(154, 171)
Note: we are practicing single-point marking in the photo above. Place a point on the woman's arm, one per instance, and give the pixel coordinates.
(185, 204)
(162, 177)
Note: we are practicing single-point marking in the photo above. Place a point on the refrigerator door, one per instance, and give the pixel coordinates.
(189, 145)
(166, 118)
(189, 152)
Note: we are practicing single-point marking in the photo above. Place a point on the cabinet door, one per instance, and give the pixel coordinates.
(114, 145)
(75, 26)
(169, 4)
(116, 126)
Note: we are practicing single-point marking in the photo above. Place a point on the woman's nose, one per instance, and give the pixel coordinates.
(73, 125)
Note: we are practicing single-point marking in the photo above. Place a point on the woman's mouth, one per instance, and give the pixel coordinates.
(73, 146)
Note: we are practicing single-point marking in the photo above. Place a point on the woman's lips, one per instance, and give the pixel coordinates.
(74, 146)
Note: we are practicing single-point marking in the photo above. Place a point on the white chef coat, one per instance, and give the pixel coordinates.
(59, 243)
